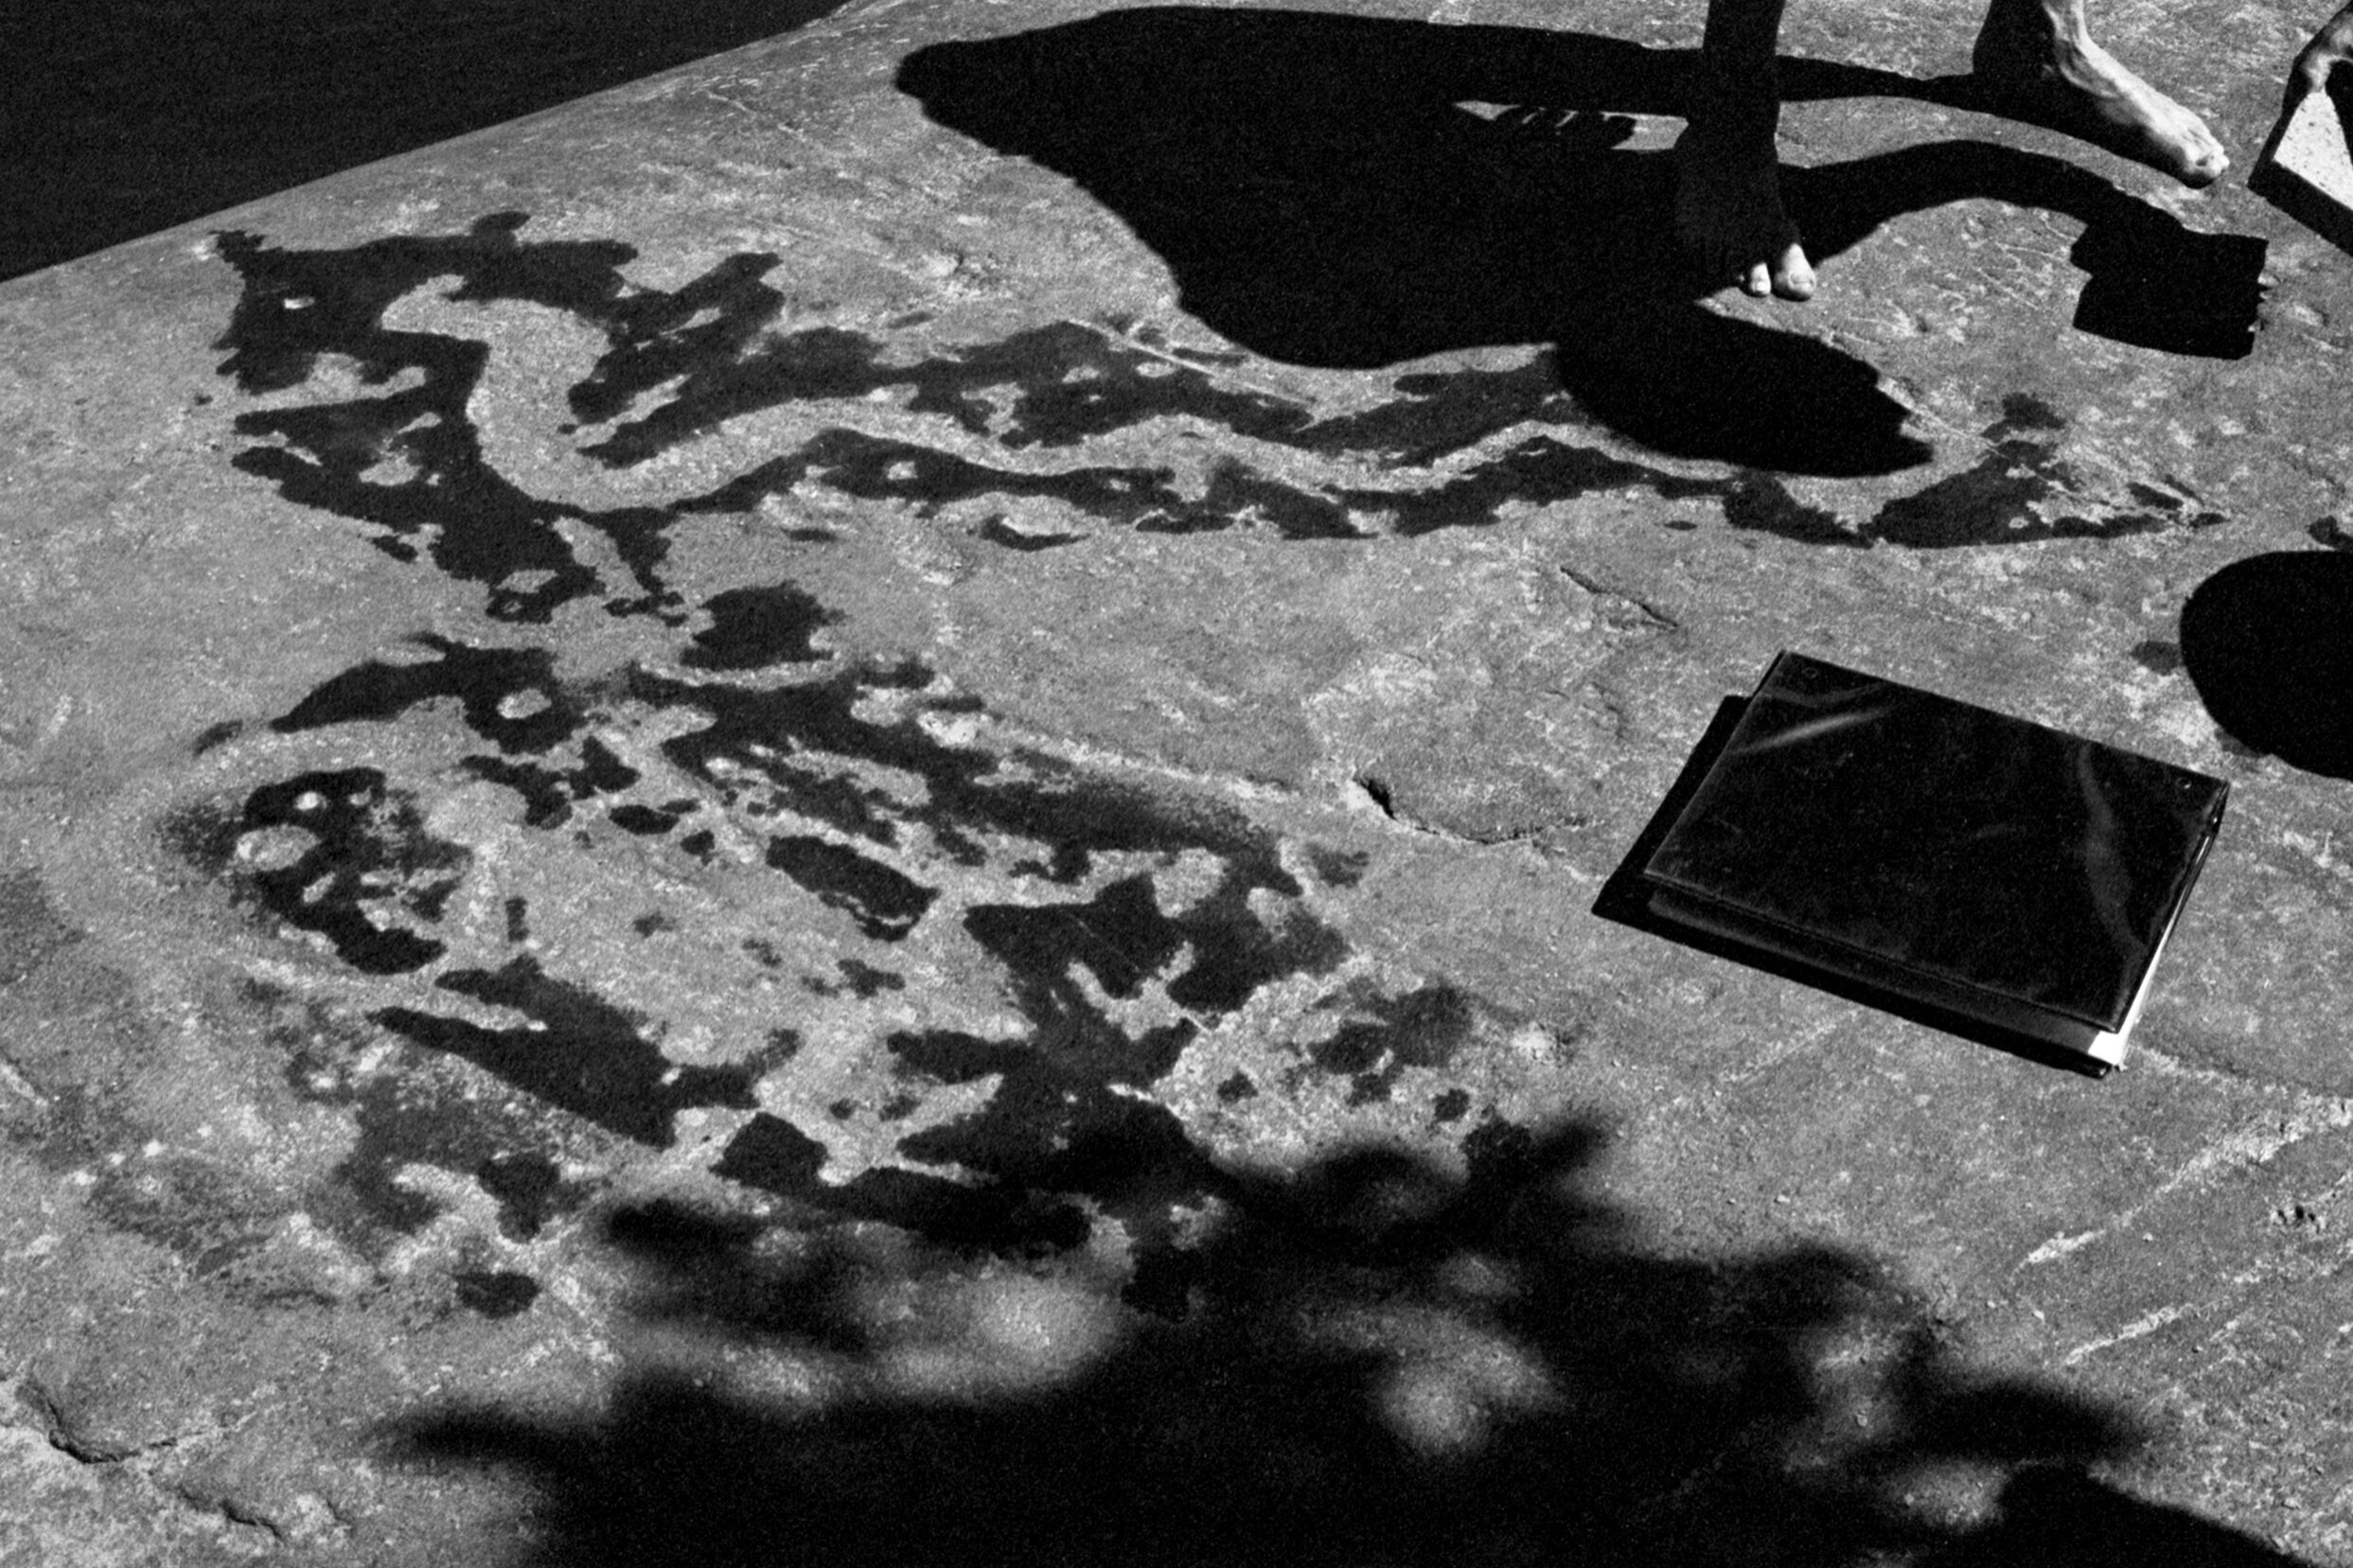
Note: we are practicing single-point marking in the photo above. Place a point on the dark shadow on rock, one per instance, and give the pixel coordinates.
(126, 116)
(2264, 640)
(1353, 192)
(2155, 284)
(1376, 1363)
(2063, 1518)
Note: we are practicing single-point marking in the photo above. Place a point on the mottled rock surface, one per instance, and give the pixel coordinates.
(845, 808)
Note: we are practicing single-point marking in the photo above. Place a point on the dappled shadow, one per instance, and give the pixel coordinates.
(1375, 1363)
(2264, 641)
(1351, 192)
(131, 116)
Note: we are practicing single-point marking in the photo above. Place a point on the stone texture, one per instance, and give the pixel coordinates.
(853, 798)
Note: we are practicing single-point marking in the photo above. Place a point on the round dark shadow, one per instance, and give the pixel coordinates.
(2269, 644)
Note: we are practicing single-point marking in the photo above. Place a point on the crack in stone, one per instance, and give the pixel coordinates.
(1382, 796)
(1659, 619)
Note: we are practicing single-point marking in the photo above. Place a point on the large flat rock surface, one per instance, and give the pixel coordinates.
(845, 809)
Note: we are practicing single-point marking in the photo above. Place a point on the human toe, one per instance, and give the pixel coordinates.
(1793, 274)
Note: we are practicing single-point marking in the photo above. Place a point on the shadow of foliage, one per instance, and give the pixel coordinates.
(1381, 1363)
(2264, 643)
(1354, 192)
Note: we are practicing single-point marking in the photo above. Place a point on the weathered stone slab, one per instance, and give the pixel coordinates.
(901, 745)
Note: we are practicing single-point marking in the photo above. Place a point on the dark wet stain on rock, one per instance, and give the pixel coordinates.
(644, 820)
(509, 696)
(1057, 385)
(862, 981)
(2157, 655)
(1064, 1122)
(1760, 504)
(873, 467)
(1238, 497)
(772, 1155)
(577, 1051)
(549, 794)
(1338, 868)
(2330, 532)
(417, 1110)
(848, 761)
(997, 531)
(31, 927)
(601, 770)
(885, 902)
(1533, 472)
(525, 1186)
(213, 1221)
(819, 750)
(408, 463)
(1121, 937)
(653, 925)
(495, 1293)
(364, 853)
(1451, 1105)
(2023, 413)
(784, 750)
(1540, 471)
(2013, 493)
(1383, 1035)
(214, 736)
(1058, 1126)
(844, 764)
(754, 627)
(808, 750)
(546, 799)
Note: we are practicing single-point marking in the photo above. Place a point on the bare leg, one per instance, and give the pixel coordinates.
(2038, 57)
(1727, 168)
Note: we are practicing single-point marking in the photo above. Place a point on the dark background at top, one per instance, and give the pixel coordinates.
(119, 117)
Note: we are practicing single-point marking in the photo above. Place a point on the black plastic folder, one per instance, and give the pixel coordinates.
(1997, 878)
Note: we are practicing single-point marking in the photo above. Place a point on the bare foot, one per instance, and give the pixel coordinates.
(1729, 205)
(2037, 58)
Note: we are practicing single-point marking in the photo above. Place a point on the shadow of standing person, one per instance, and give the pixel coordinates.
(1353, 192)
